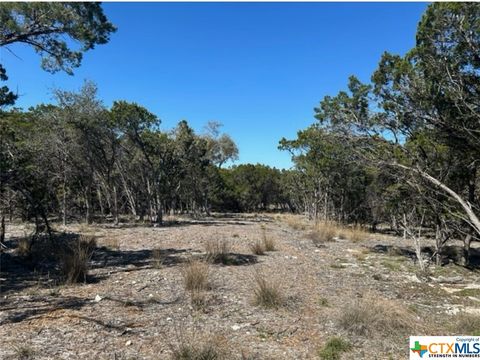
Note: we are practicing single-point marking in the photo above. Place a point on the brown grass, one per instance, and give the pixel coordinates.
(296, 222)
(356, 233)
(23, 352)
(214, 348)
(268, 242)
(257, 248)
(75, 259)
(267, 293)
(157, 258)
(198, 299)
(218, 251)
(24, 247)
(323, 232)
(112, 244)
(195, 276)
(372, 316)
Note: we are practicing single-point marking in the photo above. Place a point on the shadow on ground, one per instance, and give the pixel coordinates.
(450, 254)
(42, 267)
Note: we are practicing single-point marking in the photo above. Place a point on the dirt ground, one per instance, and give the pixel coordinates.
(132, 307)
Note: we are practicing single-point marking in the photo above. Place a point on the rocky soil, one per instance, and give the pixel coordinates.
(134, 306)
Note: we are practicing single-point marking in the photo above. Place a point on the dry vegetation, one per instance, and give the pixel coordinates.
(267, 292)
(375, 317)
(75, 259)
(128, 299)
(258, 248)
(195, 276)
(218, 251)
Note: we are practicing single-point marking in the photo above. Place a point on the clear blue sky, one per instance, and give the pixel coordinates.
(259, 68)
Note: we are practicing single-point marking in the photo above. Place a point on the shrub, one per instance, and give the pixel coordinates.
(369, 316)
(257, 248)
(195, 276)
(267, 293)
(218, 251)
(75, 259)
(334, 348)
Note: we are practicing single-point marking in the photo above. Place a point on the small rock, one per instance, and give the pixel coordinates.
(448, 280)
(453, 311)
(413, 278)
(98, 298)
(128, 343)
(236, 327)
(150, 295)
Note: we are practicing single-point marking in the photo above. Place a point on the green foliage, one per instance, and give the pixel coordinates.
(334, 348)
(44, 26)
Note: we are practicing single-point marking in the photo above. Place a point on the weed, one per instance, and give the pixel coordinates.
(218, 251)
(157, 258)
(75, 260)
(267, 293)
(334, 348)
(257, 248)
(195, 276)
(369, 316)
(268, 242)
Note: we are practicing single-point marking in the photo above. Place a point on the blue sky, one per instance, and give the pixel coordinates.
(258, 68)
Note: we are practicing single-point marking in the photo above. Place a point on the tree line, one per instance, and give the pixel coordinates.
(78, 159)
(404, 147)
(401, 149)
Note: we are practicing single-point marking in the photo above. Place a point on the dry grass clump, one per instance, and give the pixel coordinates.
(258, 248)
(296, 222)
(22, 352)
(357, 233)
(267, 293)
(268, 242)
(112, 244)
(218, 251)
(157, 258)
(371, 316)
(323, 232)
(210, 349)
(195, 276)
(24, 247)
(75, 259)
(198, 299)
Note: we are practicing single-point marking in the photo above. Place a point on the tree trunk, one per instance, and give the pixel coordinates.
(466, 250)
(88, 218)
(472, 218)
(2, 230)
(115, 205)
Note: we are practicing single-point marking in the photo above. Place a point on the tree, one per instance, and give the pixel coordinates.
(220, 147)
(45, 26)
(420, 116)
